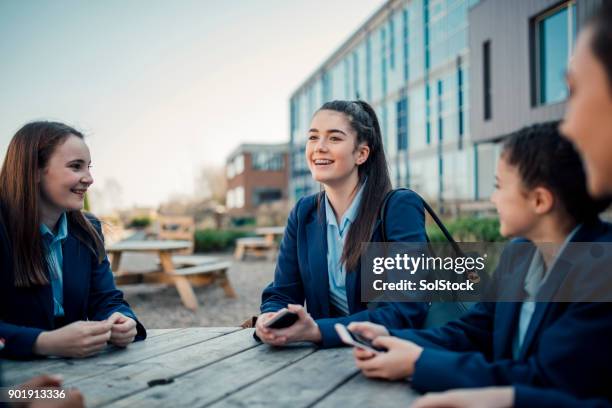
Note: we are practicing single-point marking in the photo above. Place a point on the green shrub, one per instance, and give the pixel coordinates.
(468, 229)
(140, 222)
(208, 240)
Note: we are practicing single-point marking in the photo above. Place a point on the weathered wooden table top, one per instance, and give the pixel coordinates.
(201, 367)
(143, 246)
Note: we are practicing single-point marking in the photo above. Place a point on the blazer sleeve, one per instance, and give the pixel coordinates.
(404, 222)
(287, 286)
(19, 340)
(471, 332)
(527, 397)
(575, 344)
(104, 297)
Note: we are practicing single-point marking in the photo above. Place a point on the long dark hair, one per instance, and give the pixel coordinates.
(363, 120)
(601, 41)
(544, 158)
(28, 152)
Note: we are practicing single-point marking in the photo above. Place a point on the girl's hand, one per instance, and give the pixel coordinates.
(78, 339)
(261, 331)
(304, 329)
(123, 331)
(368, 330)
(395, 364)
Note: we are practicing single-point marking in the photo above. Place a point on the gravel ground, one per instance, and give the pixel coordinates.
(160, 307)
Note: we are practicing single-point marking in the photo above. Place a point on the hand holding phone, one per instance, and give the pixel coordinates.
(355, 339)
(284, 318)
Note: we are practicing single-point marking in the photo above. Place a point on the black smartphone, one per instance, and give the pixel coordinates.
(284, 318)
(355, 339)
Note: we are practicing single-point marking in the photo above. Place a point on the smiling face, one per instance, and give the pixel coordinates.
(66, 178)
(588, 118)
(332, 153)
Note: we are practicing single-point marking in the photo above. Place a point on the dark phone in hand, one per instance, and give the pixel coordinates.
(286, 319)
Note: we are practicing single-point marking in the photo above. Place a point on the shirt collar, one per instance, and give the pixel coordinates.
(62, 230)
(350, 214)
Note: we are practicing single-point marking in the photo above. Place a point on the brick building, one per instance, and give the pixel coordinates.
(256, 174)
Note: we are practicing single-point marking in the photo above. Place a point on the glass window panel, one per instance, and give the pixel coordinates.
(553, 56)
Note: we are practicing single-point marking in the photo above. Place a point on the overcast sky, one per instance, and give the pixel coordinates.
(163, 88)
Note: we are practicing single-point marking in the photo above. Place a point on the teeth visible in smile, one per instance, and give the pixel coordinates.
(323, 161)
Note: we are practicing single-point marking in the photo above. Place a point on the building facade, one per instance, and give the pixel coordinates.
(520, 50)
(421, 64)
(256, 174)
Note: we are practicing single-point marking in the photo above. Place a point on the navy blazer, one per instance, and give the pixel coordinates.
(301, 270)
(567, 345)
(89, 294)
(528, 397)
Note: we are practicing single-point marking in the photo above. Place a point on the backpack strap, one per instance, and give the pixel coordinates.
(472, 276)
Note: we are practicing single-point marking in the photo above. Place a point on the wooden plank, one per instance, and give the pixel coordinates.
(360, 391)
(210, 267)
(158, 332)
(9, 365)
(111, 387)
(298, 385)
(113, 358)
(20, 369)
(216, 381)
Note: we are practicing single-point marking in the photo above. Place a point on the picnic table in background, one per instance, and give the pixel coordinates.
(264, 245)
(201, 367)
(182, 271)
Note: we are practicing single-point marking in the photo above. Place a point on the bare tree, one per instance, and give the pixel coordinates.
(211, 184)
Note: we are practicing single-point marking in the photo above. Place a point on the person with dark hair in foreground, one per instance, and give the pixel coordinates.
(588, 123)
(540, 195)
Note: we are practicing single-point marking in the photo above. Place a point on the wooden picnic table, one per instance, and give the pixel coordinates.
(263, 245)
(270, 233)
(201, 270)
(219, 367)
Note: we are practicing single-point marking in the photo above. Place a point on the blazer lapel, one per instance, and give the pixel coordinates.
(552, 284)
(44, 297)
(73, 280)
(510, 287)
(316, 234)
(545, 295)
(506, 321)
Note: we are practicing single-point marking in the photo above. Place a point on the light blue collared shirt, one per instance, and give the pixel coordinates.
(55, 261)
(537, 267)
(336, 235)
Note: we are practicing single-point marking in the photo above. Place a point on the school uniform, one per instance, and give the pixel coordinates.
(563, 345)
(84, 290)
(532, 397)
(308, 268)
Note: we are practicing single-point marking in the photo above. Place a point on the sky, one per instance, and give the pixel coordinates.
(163, 89)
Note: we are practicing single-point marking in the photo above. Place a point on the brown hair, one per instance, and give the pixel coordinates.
(363, 120)
(28, 152)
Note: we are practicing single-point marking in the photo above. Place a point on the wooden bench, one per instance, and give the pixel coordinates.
(256, 246)
(203, 270)
(208, 273)
(182, 271)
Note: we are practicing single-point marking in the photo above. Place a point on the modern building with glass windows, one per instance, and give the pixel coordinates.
(519, 52)
(448, 79)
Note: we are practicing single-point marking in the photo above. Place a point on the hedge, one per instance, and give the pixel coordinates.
(468, 230)
(208, 240)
